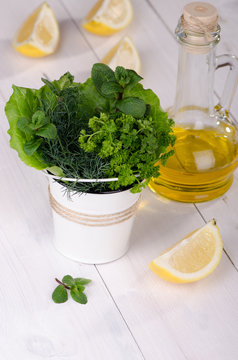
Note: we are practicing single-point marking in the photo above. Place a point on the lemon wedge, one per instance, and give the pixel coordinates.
(109, 16)
(192, 258)
(39, 34)
(123, 54)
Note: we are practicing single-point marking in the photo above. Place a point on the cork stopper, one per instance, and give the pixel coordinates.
(200, 17)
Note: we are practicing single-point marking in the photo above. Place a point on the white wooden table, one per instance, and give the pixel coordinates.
(131, 313)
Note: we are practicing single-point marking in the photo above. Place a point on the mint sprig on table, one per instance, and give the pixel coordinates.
(75, 286)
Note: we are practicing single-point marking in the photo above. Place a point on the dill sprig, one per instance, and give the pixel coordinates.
(64, 151)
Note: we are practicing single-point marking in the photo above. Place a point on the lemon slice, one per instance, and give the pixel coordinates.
(124, 54)
(108, 17)
(39, 34)
(191, 259)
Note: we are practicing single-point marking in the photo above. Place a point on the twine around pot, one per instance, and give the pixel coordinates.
(92, 220)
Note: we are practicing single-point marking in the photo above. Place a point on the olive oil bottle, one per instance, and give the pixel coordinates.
(201, 168)
(206, 148)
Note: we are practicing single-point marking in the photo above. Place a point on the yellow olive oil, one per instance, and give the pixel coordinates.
(202, 167)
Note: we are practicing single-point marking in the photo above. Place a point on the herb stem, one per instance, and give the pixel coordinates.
(60, 282)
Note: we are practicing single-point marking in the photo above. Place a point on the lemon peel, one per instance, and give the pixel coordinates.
(39, 34)
(108, 17)
(125, 54)
(192, 258)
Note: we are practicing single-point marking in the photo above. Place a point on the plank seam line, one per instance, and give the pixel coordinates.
(123, 318)
(230, 259)
(158, 15)
(79, 29)
(228, 256)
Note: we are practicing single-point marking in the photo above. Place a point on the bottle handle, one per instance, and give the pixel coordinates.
(231, 83)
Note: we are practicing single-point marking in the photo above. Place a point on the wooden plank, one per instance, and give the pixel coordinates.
(192, 321)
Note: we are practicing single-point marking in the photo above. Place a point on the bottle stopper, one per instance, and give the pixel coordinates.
(200, 17)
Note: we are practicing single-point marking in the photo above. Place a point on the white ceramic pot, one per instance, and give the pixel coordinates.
(92, 228)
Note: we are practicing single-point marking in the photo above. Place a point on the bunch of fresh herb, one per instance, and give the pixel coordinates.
(74, 285)
(109, 126)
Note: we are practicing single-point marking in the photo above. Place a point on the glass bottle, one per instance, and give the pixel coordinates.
(206, 148)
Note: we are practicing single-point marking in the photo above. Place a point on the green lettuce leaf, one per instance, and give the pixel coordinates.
(148, 96)
(22, 103)
(91, 102)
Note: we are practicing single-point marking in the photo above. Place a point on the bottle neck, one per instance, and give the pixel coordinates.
(195, 79)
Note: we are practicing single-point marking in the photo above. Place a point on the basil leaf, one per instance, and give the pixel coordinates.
(60, 295)
(132, 106)
(31, 146)
(48, 131)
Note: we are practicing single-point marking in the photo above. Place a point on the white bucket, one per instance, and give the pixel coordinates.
(92, 228)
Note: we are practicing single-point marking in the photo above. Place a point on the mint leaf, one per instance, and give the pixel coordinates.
(111, 89)
(78, 296)
(127, 77)
(132, 106)
(75, 286)
(80, 287)
(101, 74)
(31, 146)
(91, 101)
(150, 98)
(48, 131)
(134, 79)
(82, 281)
(60, 295)
(122, 76)
(68, 280)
